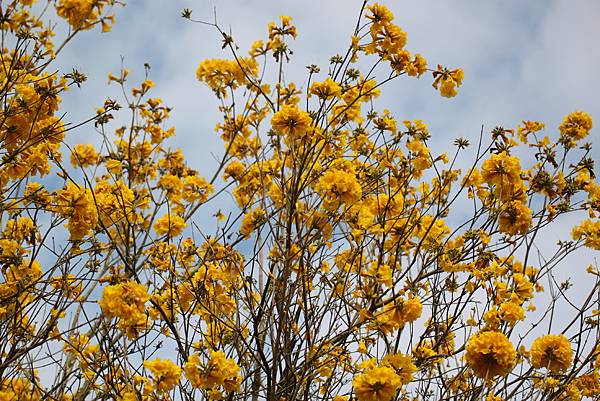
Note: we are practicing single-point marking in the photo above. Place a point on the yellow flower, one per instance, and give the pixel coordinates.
(84, 156)
(339, 185)
(402, 364)
(528, 127)
(126, 301)
(79, 13)
(511, 312)
(20, 389)
(251, 221)
(170, 224)
(77, 204)
(379, 14)
(377, 384)
(449, 80)
(222, 74)
(522, 286)
(589, 384)
(552, 351)
(381, 273)
(576, 125)
(590, 231)
(404, 311)
(219, 371)
(515, 218)
(326, 89)
(291, 121)
(417, 67)
(165, 373)
(489, 354)
(503, 172)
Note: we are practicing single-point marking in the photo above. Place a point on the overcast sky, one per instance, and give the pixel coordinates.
(522, 60)
(536, 60)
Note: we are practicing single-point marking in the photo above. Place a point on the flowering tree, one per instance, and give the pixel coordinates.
(356, 265)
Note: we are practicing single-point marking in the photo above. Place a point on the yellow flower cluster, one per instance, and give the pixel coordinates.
(589, 230)
(291, 122)
(218, 371)
(20, 279)
(402, 365)
(503, 172)
(19, 389)
(552, 351)
(165, 374)
(170, 225)
(326, 90)
(77, 204)
(115, 203)
(222, 75)
(277, 36)
(88, 355)
(380, 382)
(84, 156)
(339, 185)
(515, 218)
(490, 354)
(350, 109)
(31, 133)
(399, 312)
(251, 221)
(528, 128)
(576, 125)
(447, 81)
(510, 311)
(84, 14)
(127, 302)
(388, 41)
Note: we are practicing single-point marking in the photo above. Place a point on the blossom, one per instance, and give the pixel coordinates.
(489, 354)
(515, 218)
(377, 384)
(402, 364)
(170, 224)
(77, 204)
(379, 14)
(528, 127)
(504, 172)
(404, 311)
(590, 231)
(82, 14)
(165, 373)
(552, 351)
(339, 185)
(251, 221)
(447, 81)
(218, 371)
(221, 74)
(511, 312)
(576, 125)
(326, 89)
(291, 121)
(84, 156)
(126, 301)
